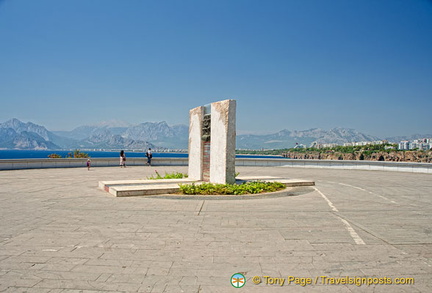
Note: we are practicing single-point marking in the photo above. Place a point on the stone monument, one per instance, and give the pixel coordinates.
(212, 140)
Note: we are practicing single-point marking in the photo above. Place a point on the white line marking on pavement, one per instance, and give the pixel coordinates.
(353, 233)
(362, 189)
(357, 239)
(327, 200)
(370, 192)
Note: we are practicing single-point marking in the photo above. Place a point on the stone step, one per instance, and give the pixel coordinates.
(289, 182)
(294, 182)
(106, 185)
(140, 190)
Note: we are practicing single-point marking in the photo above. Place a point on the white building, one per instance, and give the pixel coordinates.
(404, 145)
(424, 144)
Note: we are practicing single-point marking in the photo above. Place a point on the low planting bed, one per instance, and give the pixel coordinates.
(252, 187)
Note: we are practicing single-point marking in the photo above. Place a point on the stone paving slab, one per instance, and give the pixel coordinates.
(60, 233)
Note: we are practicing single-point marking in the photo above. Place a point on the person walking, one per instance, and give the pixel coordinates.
(149, 156)
(88, 164)
(122, 159)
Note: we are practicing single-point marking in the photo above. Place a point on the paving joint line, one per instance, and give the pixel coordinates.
(199, 212)
(366, 231)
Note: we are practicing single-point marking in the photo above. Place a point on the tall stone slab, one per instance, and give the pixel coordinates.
(196, 116)
(222, 142)
(212, 139)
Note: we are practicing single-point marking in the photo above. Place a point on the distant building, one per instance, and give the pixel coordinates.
(363, 143)
(424, 144)
(324, 145)
(404, 145)
(420, 144)
(299, 146)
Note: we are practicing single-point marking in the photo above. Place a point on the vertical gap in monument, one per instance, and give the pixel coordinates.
(206, 132)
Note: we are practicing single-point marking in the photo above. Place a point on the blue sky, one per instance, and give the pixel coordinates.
(294, 65)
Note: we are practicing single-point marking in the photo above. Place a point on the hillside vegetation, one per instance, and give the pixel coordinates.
(382, 152)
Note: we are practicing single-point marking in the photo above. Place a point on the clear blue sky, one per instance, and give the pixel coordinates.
(290, 64)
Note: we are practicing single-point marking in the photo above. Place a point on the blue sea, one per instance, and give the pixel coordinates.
(31, 154)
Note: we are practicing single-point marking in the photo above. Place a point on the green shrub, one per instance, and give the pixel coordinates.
(54, 156)
(173, 175)
(78, 154)
(253, 187)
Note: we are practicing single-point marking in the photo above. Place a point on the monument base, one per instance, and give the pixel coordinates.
(125, 188)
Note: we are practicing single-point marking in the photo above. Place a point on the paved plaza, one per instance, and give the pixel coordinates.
(60, 233)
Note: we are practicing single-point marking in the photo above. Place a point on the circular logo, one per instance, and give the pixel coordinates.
(238, 280)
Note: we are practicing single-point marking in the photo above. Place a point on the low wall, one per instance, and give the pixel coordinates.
(333, 164)
(259, 162)
(95, 162)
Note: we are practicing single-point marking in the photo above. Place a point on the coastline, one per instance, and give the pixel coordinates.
(13, 154)
(378, 156)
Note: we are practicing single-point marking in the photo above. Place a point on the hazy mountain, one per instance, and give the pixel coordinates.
(113, 124)
(78, 133)
(288, 139)
(121, 135)
(341, 135)
(83, 132)
(32, 141)
(107, 140)
(408, 137)
(114, 133)
(86, 131)
(15, 134)
(10, 139)
(20, 127)
(150, 130)
(161, 134)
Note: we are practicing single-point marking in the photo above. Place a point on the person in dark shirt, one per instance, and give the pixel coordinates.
(149, 156)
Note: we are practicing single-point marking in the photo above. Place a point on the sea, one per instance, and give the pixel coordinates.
(43, 154)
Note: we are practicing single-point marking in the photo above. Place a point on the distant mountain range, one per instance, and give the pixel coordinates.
(15, 134)
(288, 139)
(18, 135)
(409, 137)
(120, 136)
